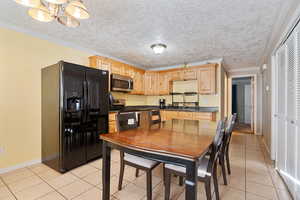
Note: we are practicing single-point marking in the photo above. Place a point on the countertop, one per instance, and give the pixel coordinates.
(184, 109)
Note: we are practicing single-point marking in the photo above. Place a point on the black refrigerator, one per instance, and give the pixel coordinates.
(75, 106)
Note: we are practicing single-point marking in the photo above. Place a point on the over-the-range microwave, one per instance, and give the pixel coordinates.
(121, 83)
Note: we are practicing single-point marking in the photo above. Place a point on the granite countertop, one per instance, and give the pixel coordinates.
(185, 109)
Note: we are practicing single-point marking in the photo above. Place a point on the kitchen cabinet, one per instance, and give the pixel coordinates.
(169, 115)
(165, 85)
(205, 116)
(151, 83)
(112, 123)
(117, 68)
(185, 115)
(189, 74)
(100, 63)
(207, 79)
(138, 82)
(160, 82)
(175, 75)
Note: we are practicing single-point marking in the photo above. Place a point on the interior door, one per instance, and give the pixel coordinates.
(291, 113)
(72, 134)
(288, 107)
(97, 111)
(281, 107)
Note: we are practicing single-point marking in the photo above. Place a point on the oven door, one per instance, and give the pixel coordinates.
(121, 83)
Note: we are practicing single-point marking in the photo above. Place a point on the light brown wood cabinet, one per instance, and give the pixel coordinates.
(112, 123)
(169, 115)
(159, 82)
(138, 82)
(151, 83)
(175, 75)
(207, 79)
(165, 85)
(190, 74)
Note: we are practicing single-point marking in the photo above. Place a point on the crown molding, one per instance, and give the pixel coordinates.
(62, 42)
(247, 69)
(217, 60)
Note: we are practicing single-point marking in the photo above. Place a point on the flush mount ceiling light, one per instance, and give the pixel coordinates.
(66, 12)
(158, 48)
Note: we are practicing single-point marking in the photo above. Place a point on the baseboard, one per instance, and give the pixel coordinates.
(25, 164)
(266, 146)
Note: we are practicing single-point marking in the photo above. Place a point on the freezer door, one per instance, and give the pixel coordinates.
(97, 110)
(73, 137)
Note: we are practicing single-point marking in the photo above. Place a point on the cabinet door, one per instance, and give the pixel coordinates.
(207, 80)
(164, 83)
(117, 68)
(129, 71)
(138, 82)
(189, 74)
(176, 75)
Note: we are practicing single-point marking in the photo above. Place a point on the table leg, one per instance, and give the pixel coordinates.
(106, 171)
(191, 181)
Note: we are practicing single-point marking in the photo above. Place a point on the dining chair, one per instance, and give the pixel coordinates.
(228, 131)
(125, 122)
(155, 117)
(207, 167)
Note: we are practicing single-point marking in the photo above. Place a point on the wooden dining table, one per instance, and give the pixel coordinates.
(178, 142)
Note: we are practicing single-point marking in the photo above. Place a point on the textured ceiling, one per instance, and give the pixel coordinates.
(193, 30)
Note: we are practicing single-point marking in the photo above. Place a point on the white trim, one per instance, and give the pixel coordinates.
(248, 69)
(266, 146)
(273, 108)
(63, 43)
(218, 60)
(25, 164)
(255, 106)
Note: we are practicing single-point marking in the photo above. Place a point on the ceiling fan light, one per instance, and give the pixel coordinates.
(158, 48)
(68, 21)
(40, 13)
(77, 10)
(57, 1)
(29, 3)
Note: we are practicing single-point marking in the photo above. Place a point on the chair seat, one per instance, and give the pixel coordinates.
(139, 161)
(202, 170)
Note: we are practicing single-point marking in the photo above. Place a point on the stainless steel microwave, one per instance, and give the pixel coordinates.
(121, 83)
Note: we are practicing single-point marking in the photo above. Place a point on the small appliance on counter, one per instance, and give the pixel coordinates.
(116, 104)
(162, 103)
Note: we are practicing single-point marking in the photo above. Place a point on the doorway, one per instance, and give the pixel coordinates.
(242, 103)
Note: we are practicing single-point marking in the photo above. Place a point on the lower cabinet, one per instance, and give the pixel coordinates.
(168, 115)
(112, 124)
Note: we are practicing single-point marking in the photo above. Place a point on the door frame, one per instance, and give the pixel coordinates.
(254, 97)
(274, 86)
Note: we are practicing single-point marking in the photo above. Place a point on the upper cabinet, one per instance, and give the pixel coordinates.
(138, 81)
(190, 74)
(165, 84)
(160, 82)
(207, 79)
(151, 81)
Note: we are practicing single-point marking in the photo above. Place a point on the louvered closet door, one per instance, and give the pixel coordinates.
(288, 106)
(291, 112)
(297, 102)
(281, 107)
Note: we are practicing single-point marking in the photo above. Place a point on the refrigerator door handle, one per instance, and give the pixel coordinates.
(85, 101)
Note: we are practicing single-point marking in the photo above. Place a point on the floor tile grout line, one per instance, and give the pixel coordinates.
(48, 185)
(245, 149)
(6, 185)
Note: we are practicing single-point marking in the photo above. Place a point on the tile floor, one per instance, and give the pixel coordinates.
(253, 178)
